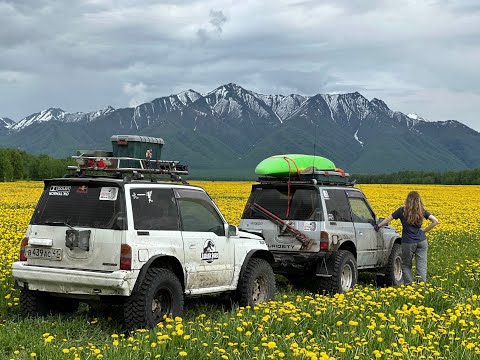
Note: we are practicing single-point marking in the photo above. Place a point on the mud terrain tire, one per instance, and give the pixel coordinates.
(34, 303)
(345, 273)
(257, 283)
(159, 295)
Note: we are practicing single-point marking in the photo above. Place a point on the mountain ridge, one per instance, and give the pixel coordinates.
(359, 134)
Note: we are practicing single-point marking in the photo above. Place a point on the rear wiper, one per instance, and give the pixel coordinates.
(57, 223)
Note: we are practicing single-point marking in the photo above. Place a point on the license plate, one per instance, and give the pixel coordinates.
(42, 253)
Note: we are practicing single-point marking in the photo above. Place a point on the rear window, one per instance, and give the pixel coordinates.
(79, 205)
(303, 204)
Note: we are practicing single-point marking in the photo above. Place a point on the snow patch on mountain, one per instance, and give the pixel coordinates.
(189, 96)
(414, 116)
(6, 123)
(356, 138)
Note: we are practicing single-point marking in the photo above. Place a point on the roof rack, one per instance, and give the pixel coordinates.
(318, 177)
(116, 166)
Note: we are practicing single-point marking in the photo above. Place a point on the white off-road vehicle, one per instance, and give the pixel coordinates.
(321, 232)
(142, 244)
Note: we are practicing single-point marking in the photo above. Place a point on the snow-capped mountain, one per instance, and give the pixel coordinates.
(232, 125)
(56, 114)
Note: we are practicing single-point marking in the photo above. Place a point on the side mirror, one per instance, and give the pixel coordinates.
(232, 231)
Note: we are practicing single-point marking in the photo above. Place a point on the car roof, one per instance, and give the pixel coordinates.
(120, 182)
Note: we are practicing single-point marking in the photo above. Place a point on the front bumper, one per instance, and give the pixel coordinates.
(75, 282)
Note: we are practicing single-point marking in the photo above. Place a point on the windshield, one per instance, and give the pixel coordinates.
(304, 204)
(79, 205)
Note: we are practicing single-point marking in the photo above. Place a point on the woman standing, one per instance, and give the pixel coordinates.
(414, 240)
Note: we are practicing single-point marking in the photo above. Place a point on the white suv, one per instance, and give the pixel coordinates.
(142, 244)
(322, 233)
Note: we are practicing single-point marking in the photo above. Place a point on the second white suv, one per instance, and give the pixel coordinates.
(322, 233)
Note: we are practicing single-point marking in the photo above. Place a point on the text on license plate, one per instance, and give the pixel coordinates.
(41, 253)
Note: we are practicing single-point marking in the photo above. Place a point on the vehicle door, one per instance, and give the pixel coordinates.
(155, 222)
(209, 253)
(367, 238)
(338, 218)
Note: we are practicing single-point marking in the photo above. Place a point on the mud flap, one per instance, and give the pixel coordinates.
(325, 266)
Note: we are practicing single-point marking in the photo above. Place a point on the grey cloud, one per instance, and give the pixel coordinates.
(85, 55)
(217, 19)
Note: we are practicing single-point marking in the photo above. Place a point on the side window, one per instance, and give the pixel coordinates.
(337, 205)
(198, 214)
(154, 209)
(360, 211)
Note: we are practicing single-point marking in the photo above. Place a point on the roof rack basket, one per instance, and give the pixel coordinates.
(127, 165)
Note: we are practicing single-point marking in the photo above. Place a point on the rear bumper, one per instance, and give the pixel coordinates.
(75, 282)
(297, 262)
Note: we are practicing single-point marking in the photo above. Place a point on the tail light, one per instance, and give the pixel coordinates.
(324, 240)
(125, 257)
(23, 244)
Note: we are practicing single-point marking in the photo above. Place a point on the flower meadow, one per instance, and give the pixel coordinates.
(437, 320)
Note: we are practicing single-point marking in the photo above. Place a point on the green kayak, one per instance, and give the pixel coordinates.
(290, 164)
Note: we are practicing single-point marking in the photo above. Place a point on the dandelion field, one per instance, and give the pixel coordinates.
(439, 320)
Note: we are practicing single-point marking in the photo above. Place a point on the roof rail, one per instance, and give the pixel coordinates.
(127, 166)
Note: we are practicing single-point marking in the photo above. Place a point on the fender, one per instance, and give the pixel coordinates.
(147, 265)
(264, 254)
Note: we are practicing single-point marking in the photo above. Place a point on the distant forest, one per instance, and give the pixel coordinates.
(461, 177)
(19, 165)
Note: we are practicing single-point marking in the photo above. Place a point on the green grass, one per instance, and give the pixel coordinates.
(438, 320)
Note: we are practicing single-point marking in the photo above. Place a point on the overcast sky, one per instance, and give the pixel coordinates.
(418, 56)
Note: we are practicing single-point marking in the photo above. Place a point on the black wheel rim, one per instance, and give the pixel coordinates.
(162, 303)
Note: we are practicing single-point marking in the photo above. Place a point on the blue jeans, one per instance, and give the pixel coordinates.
(419, 250)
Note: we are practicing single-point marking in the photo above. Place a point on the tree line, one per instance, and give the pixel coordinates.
(19, 165)
(459, 177)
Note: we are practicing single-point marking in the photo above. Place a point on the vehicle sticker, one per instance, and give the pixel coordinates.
(148, 194)
(309, 226)
(108, 193)
(331, 217)
(209, 251)
(82, 189)
(325, 195)
(58, 190)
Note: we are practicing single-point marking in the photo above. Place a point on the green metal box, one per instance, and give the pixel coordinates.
(136, 146)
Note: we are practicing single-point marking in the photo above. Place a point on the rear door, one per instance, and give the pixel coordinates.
(367, 238)
(297, 205)
(338, 220)
(209, 253)
(74, 226)
(155, 222)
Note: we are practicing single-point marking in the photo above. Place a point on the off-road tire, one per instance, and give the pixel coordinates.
(345, 273)
(257, 283)
(160, 294)
(393, 270)
(34, 303)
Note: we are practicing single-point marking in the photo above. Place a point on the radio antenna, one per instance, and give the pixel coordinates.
(314, 145)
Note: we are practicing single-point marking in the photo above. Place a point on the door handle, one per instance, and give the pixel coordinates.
(143, 233)
(192, 246)
(360, 233)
